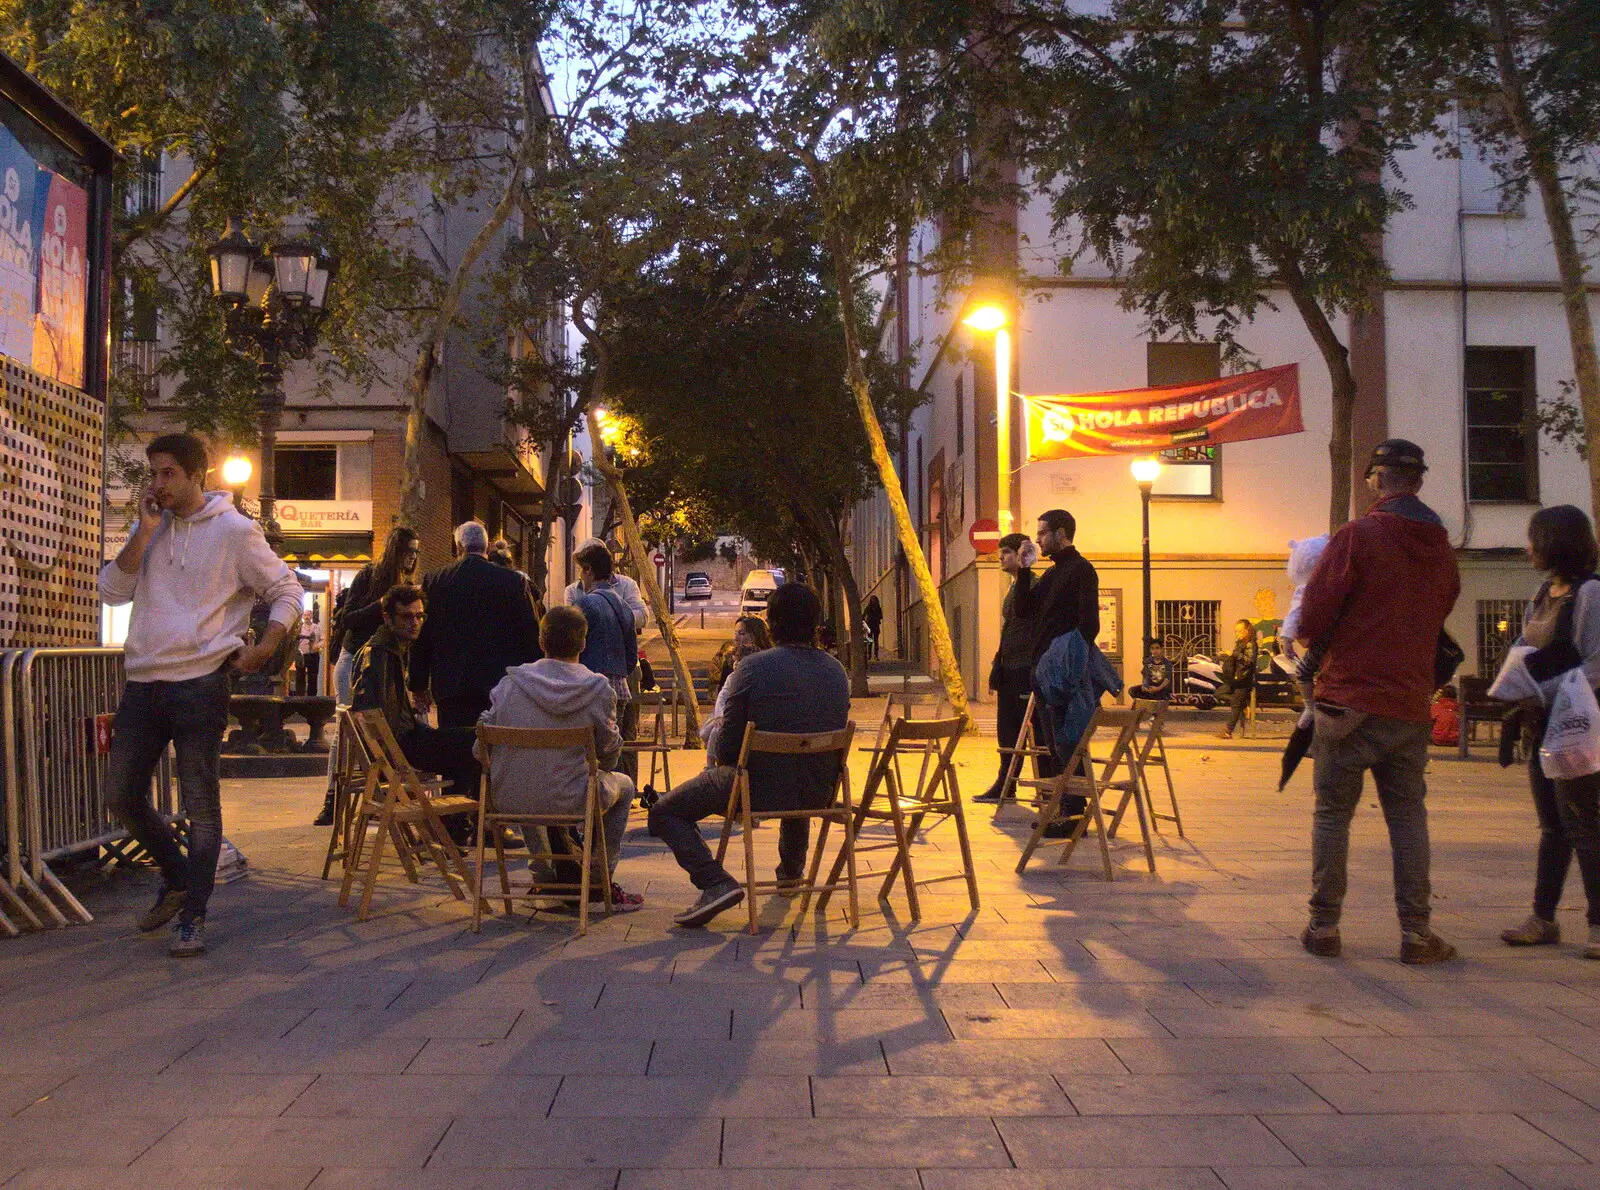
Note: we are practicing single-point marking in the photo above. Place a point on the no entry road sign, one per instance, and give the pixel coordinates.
(984, 536)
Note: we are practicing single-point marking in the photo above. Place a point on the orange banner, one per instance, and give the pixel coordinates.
(1263, 404)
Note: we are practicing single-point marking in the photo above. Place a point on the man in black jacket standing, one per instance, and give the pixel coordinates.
(480, 623)
(1067, 596)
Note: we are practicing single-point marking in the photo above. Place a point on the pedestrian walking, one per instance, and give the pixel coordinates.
(1562, 626)
(1375, 609)
(611, 645)
(1064, 599)
(1010, 671)
(1241, 675)
(192, 568)
(363, 613)
(480, 623)
(872, 616)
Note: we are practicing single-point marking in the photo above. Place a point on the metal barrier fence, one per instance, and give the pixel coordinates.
(55, 716)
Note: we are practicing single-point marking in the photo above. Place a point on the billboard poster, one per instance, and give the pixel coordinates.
(62, 308)
(18, 248)
(1262, 404)
(44, 266)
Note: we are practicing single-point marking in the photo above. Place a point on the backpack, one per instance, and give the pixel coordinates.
(624, 617)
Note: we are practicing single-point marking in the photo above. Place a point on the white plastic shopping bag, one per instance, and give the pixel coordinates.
(1571, 745)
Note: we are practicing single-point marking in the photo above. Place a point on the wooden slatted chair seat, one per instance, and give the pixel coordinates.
(396, 799)
(889, 797)
(658, 745)
(590, 820)
(1092, 780)
(840, 809)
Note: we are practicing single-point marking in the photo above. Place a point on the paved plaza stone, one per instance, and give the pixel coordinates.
(1159, 1031)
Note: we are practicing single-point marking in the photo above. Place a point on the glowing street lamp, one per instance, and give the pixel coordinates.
(991, 318)
(1145, 473)
(236, 472)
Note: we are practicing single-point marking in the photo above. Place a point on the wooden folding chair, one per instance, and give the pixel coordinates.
(395, 796)
(658, 745)
(1092, 779)
(935, 792)
(590, 820)
(840, 809)
(351, 764)
(1152, 753)
(907, 703)
(1026, 748)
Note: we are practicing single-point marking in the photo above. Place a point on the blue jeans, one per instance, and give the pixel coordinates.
(191, 715)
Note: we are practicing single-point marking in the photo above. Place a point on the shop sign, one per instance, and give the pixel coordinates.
(1264, 404)
(324, 516)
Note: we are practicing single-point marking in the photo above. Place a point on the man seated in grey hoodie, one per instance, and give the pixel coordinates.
(552, 693)
(192, 568)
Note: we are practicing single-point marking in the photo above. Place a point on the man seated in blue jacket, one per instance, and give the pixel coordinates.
(792, 687)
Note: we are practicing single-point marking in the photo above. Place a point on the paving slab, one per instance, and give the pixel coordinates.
(1437, 1139)
(1177, 1013)
(940, 1142)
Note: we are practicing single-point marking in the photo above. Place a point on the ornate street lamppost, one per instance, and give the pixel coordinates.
(1145, 474)
(276, 302)
(236, 471)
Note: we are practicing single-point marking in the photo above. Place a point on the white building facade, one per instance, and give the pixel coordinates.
(1467, 340)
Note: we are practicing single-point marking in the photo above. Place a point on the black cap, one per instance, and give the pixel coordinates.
(1397, 452)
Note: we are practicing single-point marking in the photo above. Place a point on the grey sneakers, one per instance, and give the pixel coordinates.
(188, 938)
(712, 902)
(1536, 931)
(163, 911)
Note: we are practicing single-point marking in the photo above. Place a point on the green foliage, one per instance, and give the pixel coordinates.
(1211, 152)
(333, 115)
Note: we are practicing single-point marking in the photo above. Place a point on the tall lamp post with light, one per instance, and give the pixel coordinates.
(236, 471)
(276, 301)
(992, 318)
(1145, 473)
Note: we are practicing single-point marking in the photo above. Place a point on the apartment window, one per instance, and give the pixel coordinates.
(1499, 625)
(1502, 425)
(961, 414)
(1187, 472)
(1186, 627)
(143, 193)
(306, 472)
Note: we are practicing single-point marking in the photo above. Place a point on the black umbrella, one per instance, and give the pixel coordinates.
(1299, 744)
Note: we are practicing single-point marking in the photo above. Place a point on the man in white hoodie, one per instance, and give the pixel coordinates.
(193, 568)
(559, 692)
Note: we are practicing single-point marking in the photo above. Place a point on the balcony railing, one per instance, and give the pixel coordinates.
(138, 365)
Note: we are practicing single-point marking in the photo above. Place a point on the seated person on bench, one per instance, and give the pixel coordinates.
(379, 683)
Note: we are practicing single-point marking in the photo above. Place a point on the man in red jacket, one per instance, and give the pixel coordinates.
(1376, 605)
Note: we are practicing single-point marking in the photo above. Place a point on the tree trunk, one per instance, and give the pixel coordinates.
(910, 543)
(1546, 172)
(647, 575)
(1337, 359)
(539, 556)
(827, 532)
(413, 490)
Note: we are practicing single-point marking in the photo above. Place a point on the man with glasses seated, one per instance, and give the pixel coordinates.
(381, 682)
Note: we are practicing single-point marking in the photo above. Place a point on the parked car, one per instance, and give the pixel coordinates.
(758, 588)
(697, 585)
